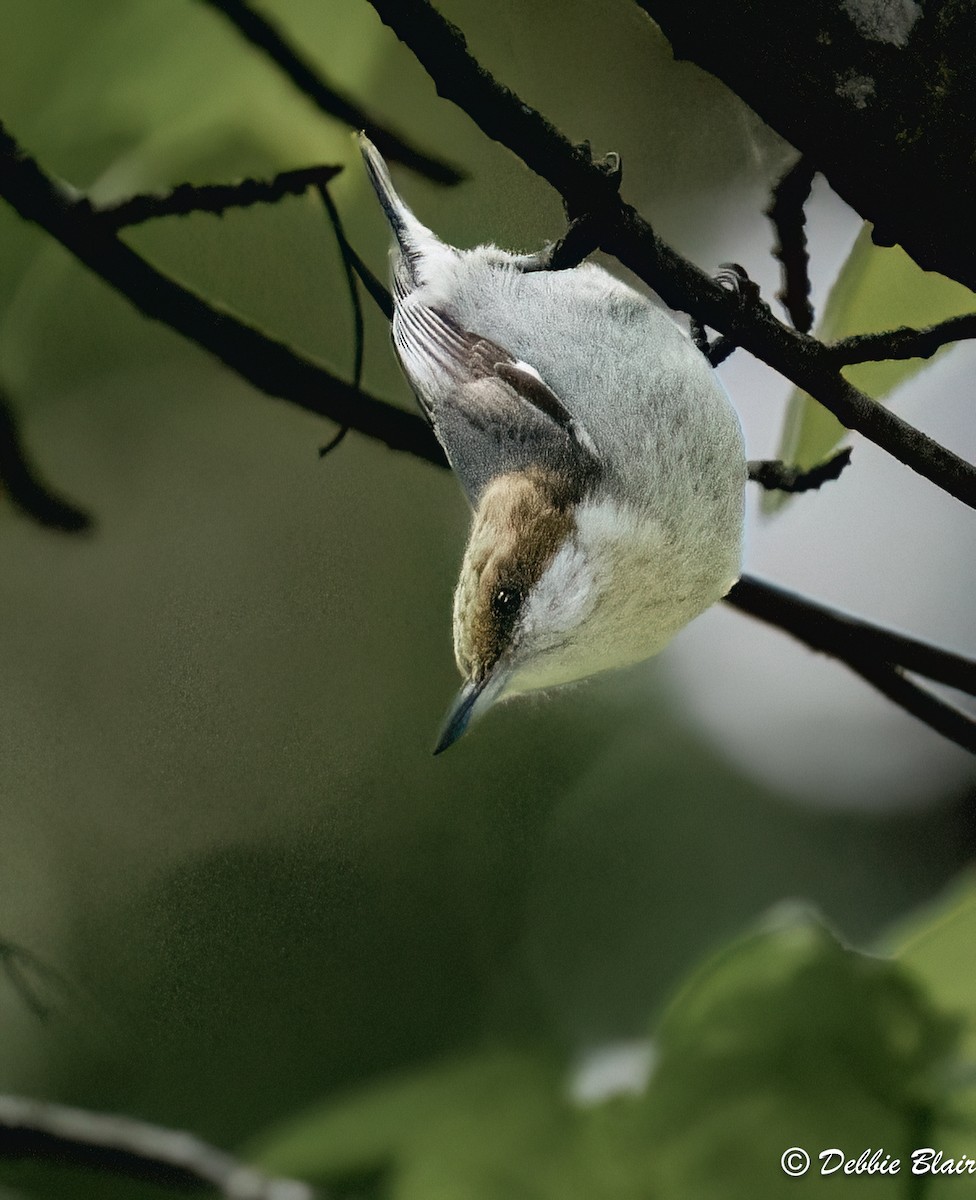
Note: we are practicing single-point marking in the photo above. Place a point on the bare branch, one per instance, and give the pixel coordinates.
(786, 211)
(777, 476)
(25, 488)
(901, 343)
(262, 34)
(269, 365)
(847, 637)
(878, 655)
(587, 187)
(213, 198)
(122, 1146)
(952, 723)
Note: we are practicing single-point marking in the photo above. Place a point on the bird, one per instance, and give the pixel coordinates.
(602, 458)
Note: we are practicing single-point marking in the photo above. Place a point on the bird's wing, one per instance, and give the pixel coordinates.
(491, 412)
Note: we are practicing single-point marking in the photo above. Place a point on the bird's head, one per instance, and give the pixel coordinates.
(523, 590)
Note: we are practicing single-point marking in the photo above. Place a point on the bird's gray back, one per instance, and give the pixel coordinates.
(644, 393)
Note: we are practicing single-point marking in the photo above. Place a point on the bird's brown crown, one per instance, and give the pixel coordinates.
(520, 523)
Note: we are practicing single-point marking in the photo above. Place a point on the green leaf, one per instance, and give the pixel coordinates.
(878, 288)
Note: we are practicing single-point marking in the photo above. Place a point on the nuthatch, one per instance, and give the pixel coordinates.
(602, 458)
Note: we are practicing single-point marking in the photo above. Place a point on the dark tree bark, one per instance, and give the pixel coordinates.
(880, 95)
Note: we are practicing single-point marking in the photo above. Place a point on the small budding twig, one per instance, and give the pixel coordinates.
(777, 476)
(902, 343)
(215, 198)
(786, 211)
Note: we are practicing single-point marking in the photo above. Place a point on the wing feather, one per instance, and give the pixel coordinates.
(491, 412)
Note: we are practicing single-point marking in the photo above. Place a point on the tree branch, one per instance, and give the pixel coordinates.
(847, 637)
(902, 343)
(878, 655)
(122, 1146)
(215, 198)
(587, 187)
(269, 365)
(262, 34)
(953, 724)
(25, 488)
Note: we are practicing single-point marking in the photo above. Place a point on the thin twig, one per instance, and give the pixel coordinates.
(269, 365)
(262, 34)
(378, 291)
(54, 1132)
(777, 476)
(786, 211)
(213, 198)
(347, 253)
(587, 187)
(901, 343)
(20, 481)
(359, 331)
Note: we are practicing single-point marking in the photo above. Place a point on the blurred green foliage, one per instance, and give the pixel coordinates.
(785, 1039)
(220, 818)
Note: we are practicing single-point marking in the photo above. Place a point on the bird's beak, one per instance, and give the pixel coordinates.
(474, 698)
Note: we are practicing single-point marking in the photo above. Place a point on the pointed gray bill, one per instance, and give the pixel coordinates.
(459, 714)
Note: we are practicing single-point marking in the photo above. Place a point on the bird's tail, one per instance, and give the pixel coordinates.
(397, 213)
(408, 231)
(414, 239)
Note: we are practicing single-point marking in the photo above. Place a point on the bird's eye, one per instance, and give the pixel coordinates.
(506, 600)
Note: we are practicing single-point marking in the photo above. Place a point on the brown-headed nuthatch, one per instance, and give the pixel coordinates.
(602, 458)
